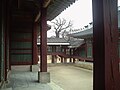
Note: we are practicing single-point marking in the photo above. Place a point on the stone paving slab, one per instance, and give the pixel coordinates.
(24, 80)
(6, 89)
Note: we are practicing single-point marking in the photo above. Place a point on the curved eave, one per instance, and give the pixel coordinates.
(83, 34)
(57, 7)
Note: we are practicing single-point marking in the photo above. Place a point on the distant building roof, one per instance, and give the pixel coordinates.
(89, 32)
(83, 34)
(76, 43)
(61, 41)
(55, 41)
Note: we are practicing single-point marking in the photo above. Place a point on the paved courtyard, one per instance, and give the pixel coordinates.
(72, 78)
(63, 77)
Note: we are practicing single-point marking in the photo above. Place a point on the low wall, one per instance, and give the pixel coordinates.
(85, 65)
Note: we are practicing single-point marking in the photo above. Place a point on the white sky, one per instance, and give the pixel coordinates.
(80, 13)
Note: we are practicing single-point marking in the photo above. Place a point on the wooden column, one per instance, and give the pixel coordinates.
(105, 50)
(53, 58)
(70, 54)
(61, 59)
(43, 39)
(65, 59)
(35, 52)
(5, 40)
(86, 49)
(74, 54)
(73, 60)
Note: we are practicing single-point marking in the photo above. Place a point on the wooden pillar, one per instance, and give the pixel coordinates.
(61, 59)
(73, 60)
(86, 49)
(65, 59)
(35, 52)
(70, 54)
(5, 38)
(105, 39)
(43, 75)
(53, 58)
(43, 39)
(74, 54)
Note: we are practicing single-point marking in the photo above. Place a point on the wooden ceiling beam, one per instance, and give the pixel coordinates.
(38, 16)
(46, 3)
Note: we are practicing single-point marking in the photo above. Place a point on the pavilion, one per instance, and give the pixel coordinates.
(20, 20)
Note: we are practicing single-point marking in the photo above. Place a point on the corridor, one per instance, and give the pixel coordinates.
(63, 77)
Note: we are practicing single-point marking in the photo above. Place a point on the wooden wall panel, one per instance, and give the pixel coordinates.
(21, 42)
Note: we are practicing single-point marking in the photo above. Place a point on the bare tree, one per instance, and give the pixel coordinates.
(60, 26)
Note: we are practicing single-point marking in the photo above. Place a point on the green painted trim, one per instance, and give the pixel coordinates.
(21, 58)
(89, 52)
(82, 52)
(21, 45)
(23, 35)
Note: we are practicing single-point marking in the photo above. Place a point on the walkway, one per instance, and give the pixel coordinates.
(63, 77)
(26, 80)
(71, 78)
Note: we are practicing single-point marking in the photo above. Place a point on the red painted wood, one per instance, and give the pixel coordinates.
(105, 38)
(73, 60)
(5, 41)
(70, 55)
(6, 33)
(8, 29)
(74, 54)
(43, 35)
(65, 59)
(61, 59)
(86, 49)
(35, 52)
(53, 58)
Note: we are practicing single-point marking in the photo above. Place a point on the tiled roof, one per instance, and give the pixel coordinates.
(83, 34)
(89, 32)
(57, 7)
(61, 41)
(55, 41)
(76, 43)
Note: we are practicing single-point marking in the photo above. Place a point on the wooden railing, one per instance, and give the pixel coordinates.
(62, 54)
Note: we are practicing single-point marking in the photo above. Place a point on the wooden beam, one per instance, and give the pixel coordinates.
(105, 50)
(46, 3)
(37, 17)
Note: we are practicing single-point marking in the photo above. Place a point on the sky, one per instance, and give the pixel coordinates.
(80, 13)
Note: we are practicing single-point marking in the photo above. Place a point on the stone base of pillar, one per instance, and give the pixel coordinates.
(44, 77)
(34, 68)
